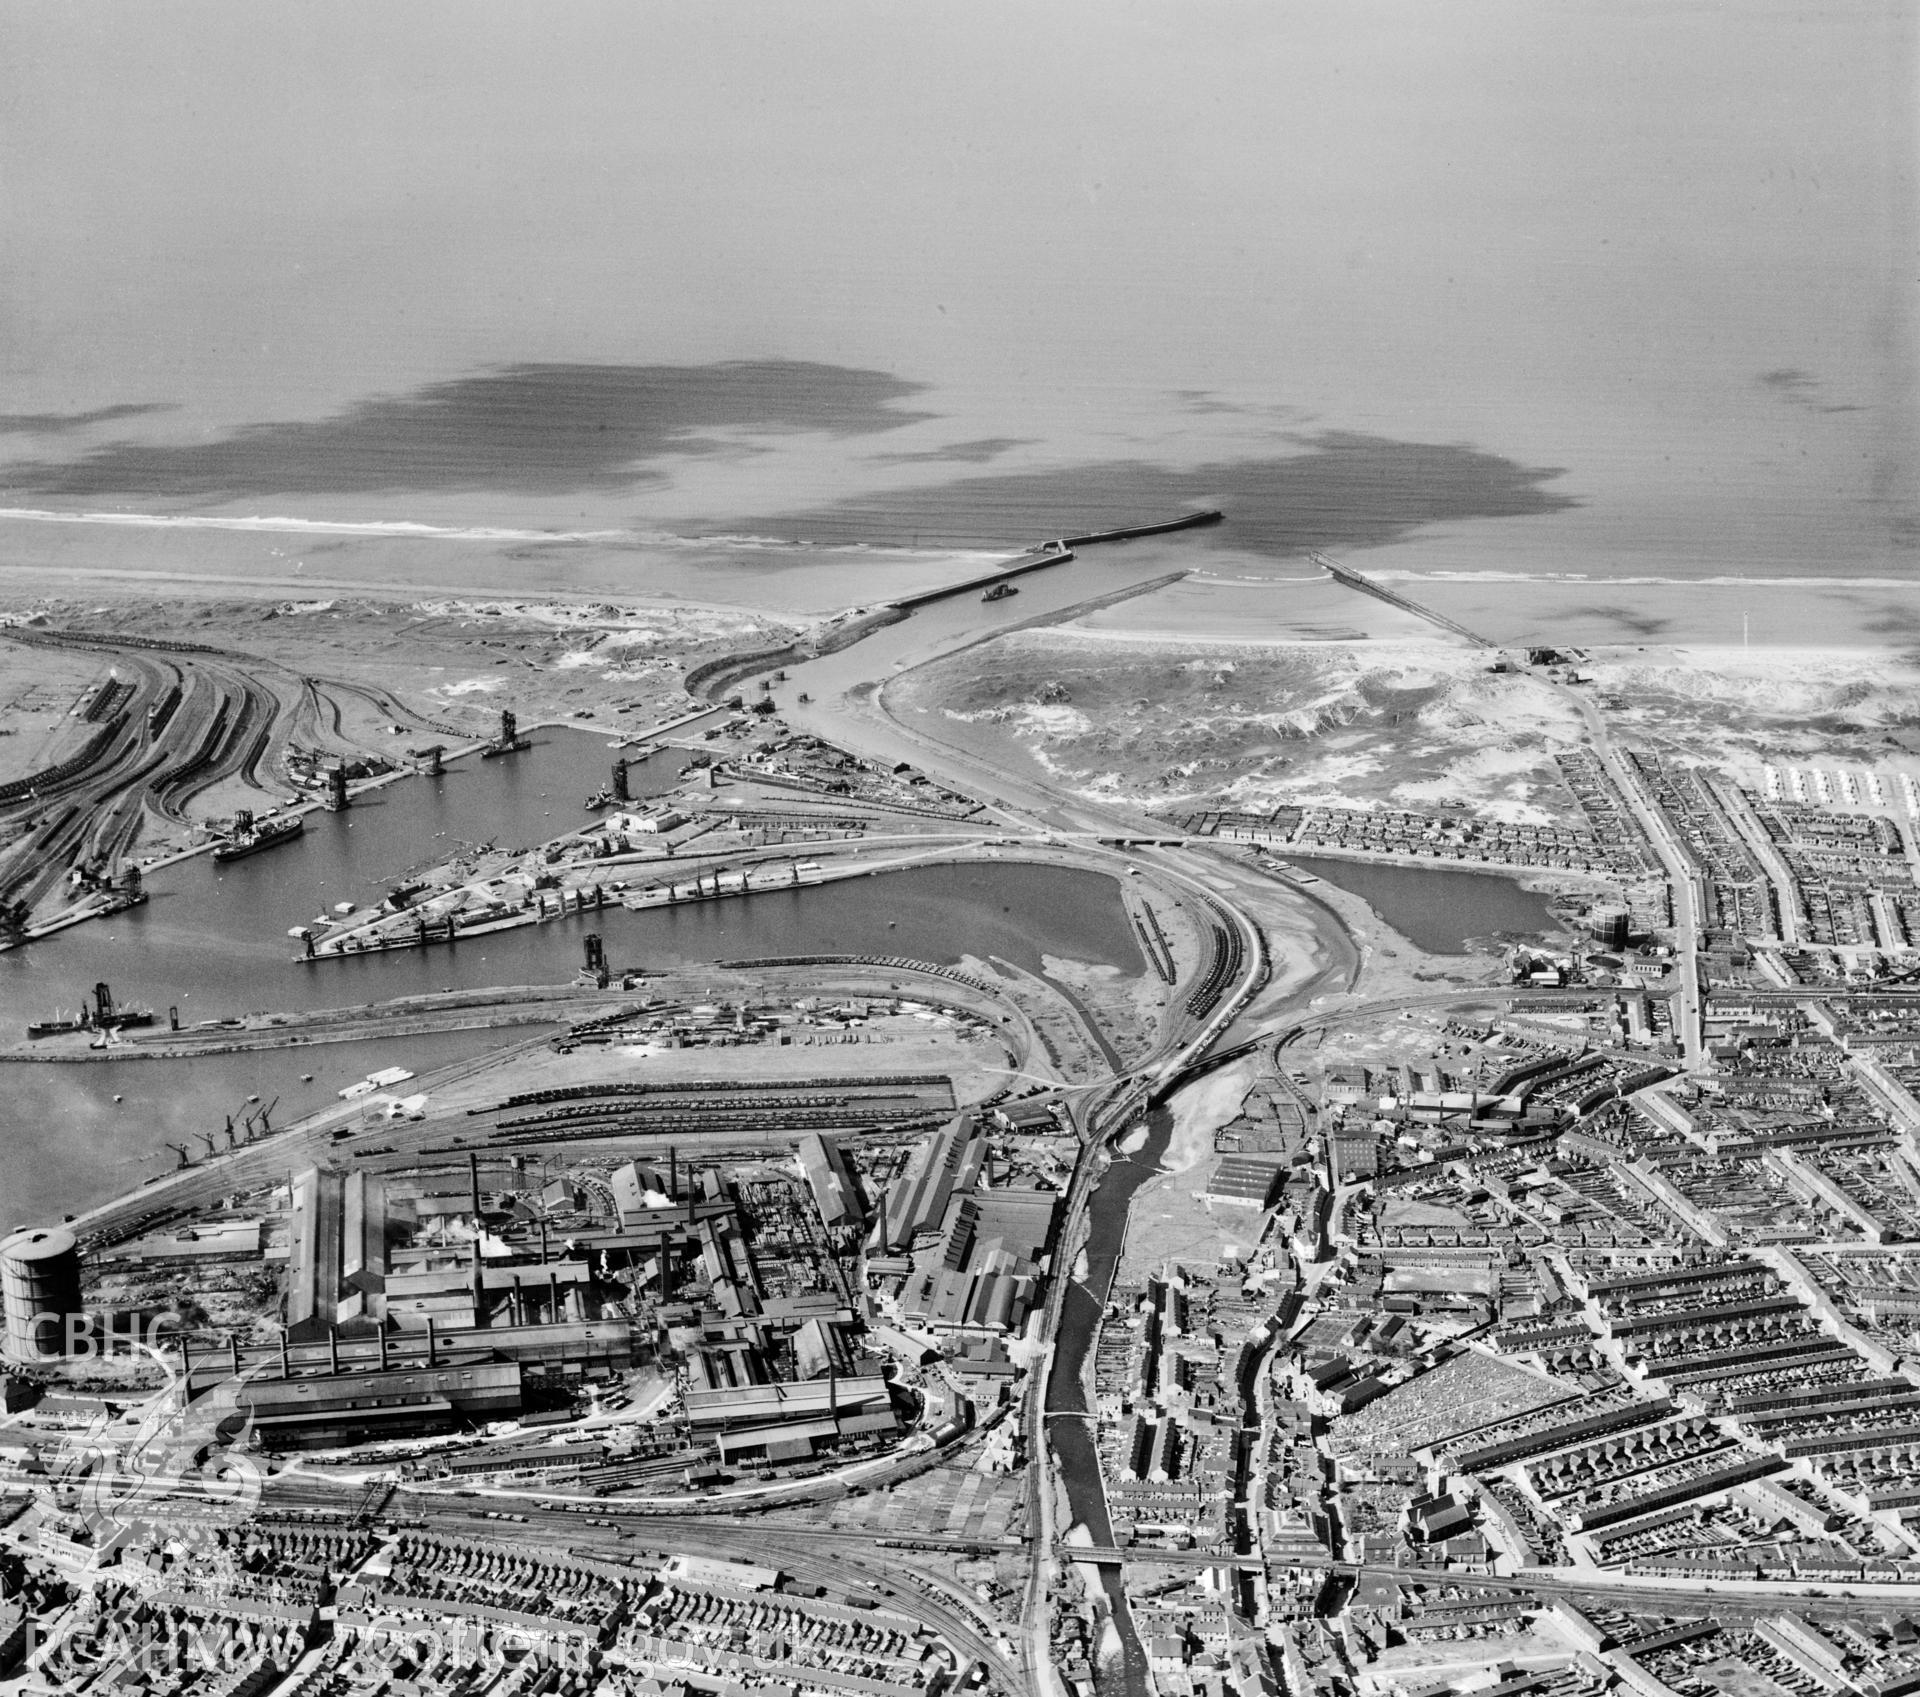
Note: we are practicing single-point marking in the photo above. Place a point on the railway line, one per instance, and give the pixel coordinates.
(172, 721)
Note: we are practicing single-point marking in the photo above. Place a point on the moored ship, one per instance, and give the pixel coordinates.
(250, 836)
(103, 1015)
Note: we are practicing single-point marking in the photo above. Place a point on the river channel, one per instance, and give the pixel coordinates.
(1078, 1460)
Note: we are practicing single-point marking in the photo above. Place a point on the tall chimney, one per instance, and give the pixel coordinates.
(479, 1288)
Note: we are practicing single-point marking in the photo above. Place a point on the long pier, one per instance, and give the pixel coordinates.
(1052, 554)
(1366, 586)
(1127, 533)
(1057, 553)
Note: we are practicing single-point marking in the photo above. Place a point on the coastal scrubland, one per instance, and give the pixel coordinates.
(1173, 724)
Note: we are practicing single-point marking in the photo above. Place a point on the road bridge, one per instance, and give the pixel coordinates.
(1105, 1555)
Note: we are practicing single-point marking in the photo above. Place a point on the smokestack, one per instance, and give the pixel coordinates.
(553, 1295)
(479, 1288)
(333, 1349)
(431, 1348)
(543, 1240)
(673, 1171)
(383, 1349)
(473, 1185)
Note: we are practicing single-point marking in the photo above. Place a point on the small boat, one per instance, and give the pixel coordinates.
(1000, 591)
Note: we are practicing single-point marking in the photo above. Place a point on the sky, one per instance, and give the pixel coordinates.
(422, 262)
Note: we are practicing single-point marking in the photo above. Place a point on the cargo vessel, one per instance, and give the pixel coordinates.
(103, 1015)
(250, 837)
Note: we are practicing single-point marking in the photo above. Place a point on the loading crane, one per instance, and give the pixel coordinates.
(186, 1160)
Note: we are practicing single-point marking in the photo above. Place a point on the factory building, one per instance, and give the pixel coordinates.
(330, 1410)
(988, 1270)
(456, 1295)
(1250, 1181)
(588, 1346)
(830, 1176)
(820, 1350)
(947, 1164)
(783, 1422)
(640, 1190)
(336, 1253)
(654, 822)
(40, 1290)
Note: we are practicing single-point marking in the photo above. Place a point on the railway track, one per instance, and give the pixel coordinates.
(173, 721)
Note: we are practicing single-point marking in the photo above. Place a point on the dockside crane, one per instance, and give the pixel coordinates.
(203, 1137)
(186, 1160)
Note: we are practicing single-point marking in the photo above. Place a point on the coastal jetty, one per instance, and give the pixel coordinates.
(1366, 585)
(1051, 554)
(1128, 533)
(1056, 553)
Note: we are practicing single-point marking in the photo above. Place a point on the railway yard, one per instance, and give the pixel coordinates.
(169, 728)
(133, 733)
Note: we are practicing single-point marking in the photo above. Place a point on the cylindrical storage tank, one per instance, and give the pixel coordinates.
(39, 1287)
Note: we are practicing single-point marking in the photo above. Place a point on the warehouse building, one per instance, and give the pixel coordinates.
(946, 1165)
(988, 1270)
(1247, 1181)
(331, 1410)
(336, 1254)
(830, 1176)
(739, 1408)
